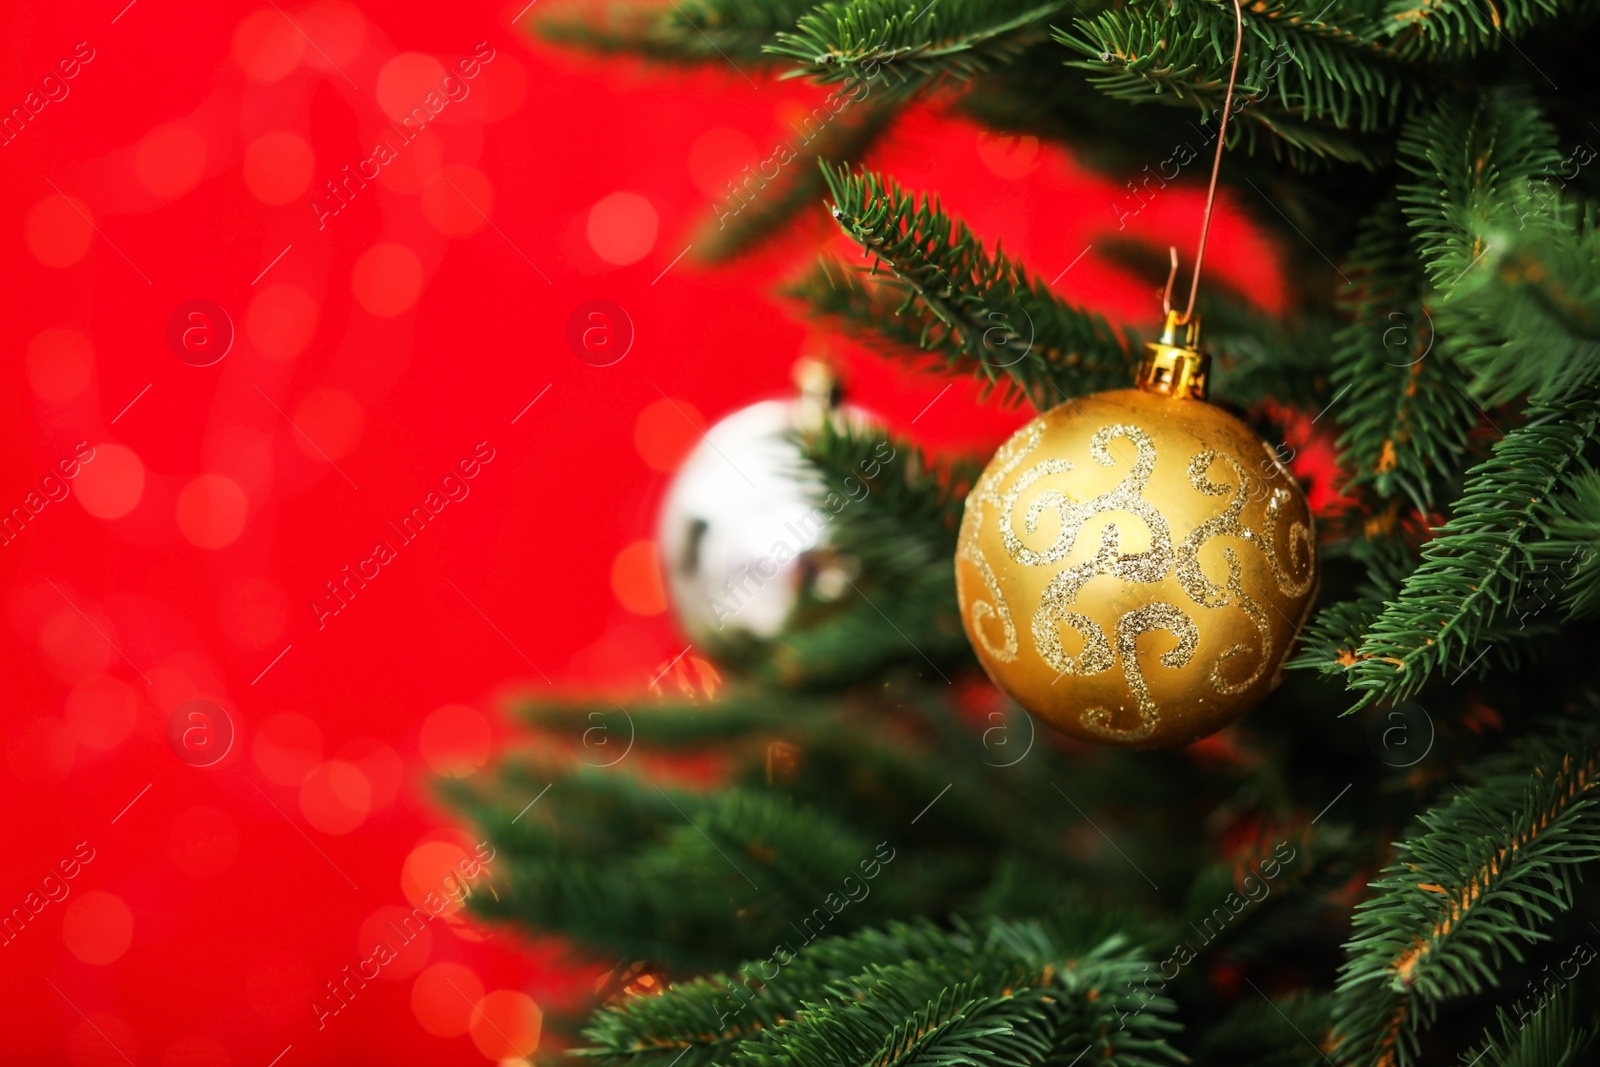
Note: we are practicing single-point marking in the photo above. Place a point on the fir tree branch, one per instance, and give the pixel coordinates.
(1472, 570)
(1034, 95)
(631, 867)
(1312, 87)
(1526, 321)
(1448, 29)
(909, 1011)
(1549, 276)
(1405, 420)
(906, 44)
(1490, 866)
(611, 860)
(999, 993)
(1329, 642)
(703, 1018)
(687, 31)
(977, 313)
(1570, 556)
(1469, 161)
(1551, 1037)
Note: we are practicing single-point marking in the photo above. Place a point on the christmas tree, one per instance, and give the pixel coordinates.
(1383, 863)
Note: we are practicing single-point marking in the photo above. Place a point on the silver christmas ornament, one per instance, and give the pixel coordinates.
(742, 539)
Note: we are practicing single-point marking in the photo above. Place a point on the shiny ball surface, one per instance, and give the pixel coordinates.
(742, 540)
(1133, 568)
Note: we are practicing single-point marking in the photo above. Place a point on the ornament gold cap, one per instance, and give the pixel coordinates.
(1176, 367)
(820, 392)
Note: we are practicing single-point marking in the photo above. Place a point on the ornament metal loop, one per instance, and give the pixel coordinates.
(1174, 367)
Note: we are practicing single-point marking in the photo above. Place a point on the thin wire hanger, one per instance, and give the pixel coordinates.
(1211, 191)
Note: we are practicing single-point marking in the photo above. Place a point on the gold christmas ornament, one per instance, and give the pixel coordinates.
(1133, 567)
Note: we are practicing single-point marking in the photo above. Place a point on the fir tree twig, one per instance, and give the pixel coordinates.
(905, 44)
(1312, 87)
(1405, 421)
(1441, 29)
(1472, 570)
(687, 31)
(978, 313)
(1491, 865)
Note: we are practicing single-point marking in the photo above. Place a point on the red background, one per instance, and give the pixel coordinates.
(218, 904)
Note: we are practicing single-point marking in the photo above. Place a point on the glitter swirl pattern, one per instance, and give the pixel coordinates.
(1299, 538)
(1144, 620)
(1011, 454)
(1205, 592)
